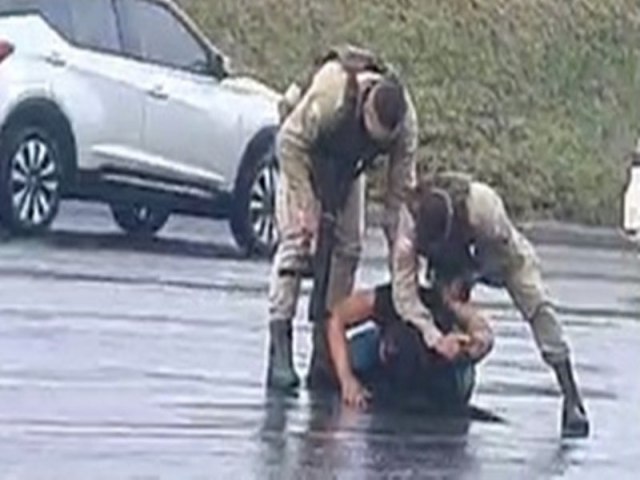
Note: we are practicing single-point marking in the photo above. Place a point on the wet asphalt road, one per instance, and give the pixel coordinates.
(121, 359)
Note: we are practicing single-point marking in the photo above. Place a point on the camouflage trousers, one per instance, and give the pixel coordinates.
(522, 279)
(297, 216)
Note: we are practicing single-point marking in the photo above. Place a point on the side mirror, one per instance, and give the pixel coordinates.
(218, 65)
(227, 65)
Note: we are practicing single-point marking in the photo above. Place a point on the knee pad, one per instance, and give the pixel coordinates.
(544, 310)
(548, 334)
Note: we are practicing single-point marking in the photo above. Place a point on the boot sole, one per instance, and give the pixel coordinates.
(576, 431)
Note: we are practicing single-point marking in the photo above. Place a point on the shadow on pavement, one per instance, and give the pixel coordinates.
(66, 239)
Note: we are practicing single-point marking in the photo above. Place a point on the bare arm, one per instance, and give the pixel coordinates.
(352, 311)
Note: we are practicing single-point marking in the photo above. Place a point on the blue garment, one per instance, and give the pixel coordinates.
(364, 348)
(446, 383)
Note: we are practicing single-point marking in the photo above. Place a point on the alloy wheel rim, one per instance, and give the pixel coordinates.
(34, 182)
(262, 201)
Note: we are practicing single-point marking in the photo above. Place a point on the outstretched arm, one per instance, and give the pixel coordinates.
(352, 311)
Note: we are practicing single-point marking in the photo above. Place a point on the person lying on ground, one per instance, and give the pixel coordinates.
(390, 354)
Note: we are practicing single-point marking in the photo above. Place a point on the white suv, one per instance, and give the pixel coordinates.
(631, 201)
(126, 102)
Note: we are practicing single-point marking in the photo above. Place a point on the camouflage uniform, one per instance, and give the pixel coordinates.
(503, 256)
(297, 205)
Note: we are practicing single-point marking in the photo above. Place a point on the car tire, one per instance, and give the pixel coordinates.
(253, 221)
(139, 220)
(30, 177)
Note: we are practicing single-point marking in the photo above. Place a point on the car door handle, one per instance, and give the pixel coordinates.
(55, 59)
(158, 92)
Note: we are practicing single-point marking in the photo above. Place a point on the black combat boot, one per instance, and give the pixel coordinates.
(575, 423)
(280, 371)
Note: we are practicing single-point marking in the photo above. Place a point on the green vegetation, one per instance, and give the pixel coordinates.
(538, 97)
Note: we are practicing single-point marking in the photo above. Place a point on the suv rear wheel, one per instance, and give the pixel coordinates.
(30, 178)
(138, 219)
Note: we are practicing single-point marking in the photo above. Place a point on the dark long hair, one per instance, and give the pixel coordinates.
(411, 359)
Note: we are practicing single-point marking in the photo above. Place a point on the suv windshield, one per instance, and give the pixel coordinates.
(55, 12)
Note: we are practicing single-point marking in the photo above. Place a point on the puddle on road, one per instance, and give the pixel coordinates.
(56, 422)
(156, 379)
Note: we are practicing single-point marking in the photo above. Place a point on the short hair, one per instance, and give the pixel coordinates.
(389, 102)
(436, 221)
(433, 214)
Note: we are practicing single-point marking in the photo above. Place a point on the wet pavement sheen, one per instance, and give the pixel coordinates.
(123, 359)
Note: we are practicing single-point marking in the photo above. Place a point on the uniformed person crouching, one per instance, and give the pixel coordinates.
(451, 218)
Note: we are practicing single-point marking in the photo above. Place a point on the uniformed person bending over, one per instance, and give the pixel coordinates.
(451, 216)
(352, 110)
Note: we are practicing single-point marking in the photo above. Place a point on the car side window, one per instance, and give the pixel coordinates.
(152, 32)
(95, 25)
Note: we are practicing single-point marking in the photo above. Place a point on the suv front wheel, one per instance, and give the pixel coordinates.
(253, 221)
(30, 178)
